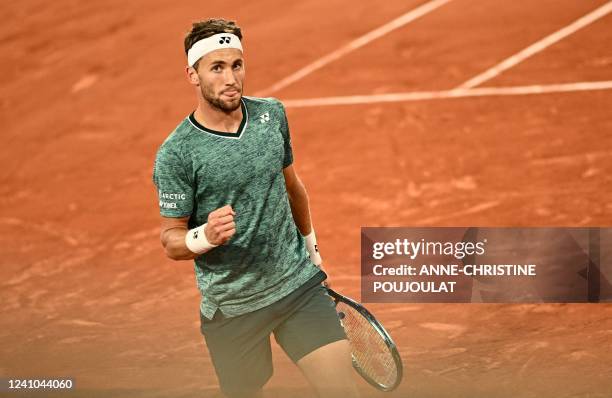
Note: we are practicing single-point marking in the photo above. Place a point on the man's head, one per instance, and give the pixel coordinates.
(216, 62)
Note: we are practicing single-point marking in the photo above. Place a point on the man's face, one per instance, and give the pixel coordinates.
(221, 75)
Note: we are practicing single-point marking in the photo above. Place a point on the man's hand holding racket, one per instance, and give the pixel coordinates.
(375, 355)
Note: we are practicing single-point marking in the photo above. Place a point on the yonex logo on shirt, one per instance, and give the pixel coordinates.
(165, 199)
(264, 118)
(167, 205)
(225, 40)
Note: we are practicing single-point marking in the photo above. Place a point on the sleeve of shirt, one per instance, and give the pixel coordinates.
(174, 187)
(288, 159)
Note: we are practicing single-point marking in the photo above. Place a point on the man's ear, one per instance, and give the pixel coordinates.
(192, 76)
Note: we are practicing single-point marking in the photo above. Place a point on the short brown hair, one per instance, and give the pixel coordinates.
(209, 27)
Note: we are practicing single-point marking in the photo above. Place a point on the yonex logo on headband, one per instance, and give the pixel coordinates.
(212, 43)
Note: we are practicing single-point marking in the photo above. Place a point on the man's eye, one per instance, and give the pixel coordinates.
(216, 68)
(237, 66)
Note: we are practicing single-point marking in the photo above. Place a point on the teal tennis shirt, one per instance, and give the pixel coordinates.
(198, 170)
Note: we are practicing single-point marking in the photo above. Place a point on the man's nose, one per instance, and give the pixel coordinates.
(230, 78)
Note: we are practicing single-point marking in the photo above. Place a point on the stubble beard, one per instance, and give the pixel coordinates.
(217, 102)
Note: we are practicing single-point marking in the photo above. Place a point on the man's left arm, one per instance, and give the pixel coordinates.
(298, 200)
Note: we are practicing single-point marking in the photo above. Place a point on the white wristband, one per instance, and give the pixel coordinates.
(313, 249)
(196, 240)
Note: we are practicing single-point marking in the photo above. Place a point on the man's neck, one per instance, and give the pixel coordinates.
(215, 119)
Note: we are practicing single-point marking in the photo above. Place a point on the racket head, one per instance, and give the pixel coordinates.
(375, 355)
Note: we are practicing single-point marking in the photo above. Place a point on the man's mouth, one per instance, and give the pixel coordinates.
(231, 93)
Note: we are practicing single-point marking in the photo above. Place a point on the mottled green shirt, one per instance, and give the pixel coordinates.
(198, 170)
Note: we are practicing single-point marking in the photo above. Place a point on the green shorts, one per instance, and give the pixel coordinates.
(240, 347)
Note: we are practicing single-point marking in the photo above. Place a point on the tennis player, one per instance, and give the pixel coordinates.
(230, 198)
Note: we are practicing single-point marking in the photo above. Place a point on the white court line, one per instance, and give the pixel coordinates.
(538, 46)
(353, 45)
(456, 93)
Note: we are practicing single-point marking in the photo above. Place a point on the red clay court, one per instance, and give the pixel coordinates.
(402, 113)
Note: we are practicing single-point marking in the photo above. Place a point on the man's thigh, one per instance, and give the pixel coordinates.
(329, 370)
(313, 323)
(240, 350)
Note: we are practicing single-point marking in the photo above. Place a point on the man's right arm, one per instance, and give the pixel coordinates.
(173, 231)
(219, 229)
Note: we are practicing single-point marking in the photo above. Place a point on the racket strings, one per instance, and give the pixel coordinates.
(370, 353)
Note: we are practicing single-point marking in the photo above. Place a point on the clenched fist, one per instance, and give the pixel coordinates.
(221, 226)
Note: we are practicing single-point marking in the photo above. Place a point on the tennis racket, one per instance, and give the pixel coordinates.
(375, 356)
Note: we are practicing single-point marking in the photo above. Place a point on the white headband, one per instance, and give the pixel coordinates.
(212, 43)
